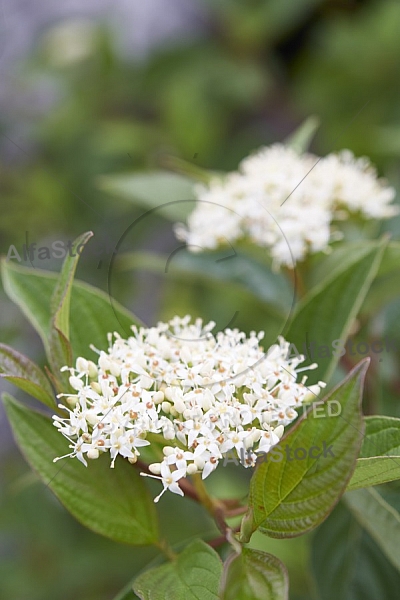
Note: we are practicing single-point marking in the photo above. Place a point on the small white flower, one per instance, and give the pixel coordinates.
(169, 479)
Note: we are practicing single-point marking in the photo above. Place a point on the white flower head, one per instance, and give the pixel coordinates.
(200, 396)
(286, 202)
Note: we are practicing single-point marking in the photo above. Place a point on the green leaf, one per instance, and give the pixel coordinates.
(193, 575)
(93, 313)
(25, 374)
(126, 593)
(61, 298)
(226, 268)
(327, 313)
(379, 518)
(382, 437)
(59, 347)
(374, 471)
(347, 564)
(112, 502)
(254, 575)
(385, 288)
(290, 496)
(301, 139)
(379, 460)
(173, 192)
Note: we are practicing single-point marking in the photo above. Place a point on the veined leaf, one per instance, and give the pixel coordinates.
(25, 374)
(112, 502)
(92, 314)
(193, 575)
(379, 460)
(254, 575)
(290, 495)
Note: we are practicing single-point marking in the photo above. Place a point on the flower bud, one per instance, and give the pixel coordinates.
(168, 393)
(155, 468)
(104, 363)
(199, 462)
(166, 407)
(76, 383)
(179, 406)
(91, 417)
(115, 369)
(93, 453)
(96, 387)
(72, 400)
(158, 397)
(168, 450)
(92, 369)
(81, 365)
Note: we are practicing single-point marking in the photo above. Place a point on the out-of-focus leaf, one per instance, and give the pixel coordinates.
(171, 193)
(301, 139)
(347, 564)
(112, 502)
(379, 518)
(225, 267)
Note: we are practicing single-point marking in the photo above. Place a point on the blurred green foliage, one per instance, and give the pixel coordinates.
(249, 78)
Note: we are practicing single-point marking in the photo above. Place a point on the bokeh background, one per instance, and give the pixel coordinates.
(121, 86)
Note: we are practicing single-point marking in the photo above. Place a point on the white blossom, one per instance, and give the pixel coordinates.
(290, 203)
(201, 395)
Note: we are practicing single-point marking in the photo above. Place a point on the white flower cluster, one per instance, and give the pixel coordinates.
(286, 202)
(200, 396)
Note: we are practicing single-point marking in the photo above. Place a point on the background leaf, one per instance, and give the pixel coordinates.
(379, 518)
(301, 139)
(347, 564)
(112, 502)
(152, 190)
(227, 267)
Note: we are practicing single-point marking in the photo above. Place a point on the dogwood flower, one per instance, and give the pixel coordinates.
(200, 396)
(289, 203)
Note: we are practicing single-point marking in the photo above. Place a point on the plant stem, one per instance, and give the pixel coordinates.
(215, 507)
(165, 549)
